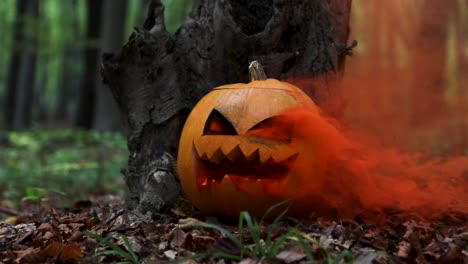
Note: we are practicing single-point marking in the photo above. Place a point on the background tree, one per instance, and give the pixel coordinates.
(22, 66)
(430, 41)
(10, 93)
(69, 83)
(87, 98)
(416, 85)
(113, 29)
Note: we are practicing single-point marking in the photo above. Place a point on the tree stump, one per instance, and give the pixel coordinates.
(157, 77)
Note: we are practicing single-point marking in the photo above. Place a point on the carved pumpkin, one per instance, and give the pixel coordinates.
(227, 165)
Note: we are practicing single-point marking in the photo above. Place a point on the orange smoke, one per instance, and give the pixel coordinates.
(362, 177)
(406, 81)
(402, 140)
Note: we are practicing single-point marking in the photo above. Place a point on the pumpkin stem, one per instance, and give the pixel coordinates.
(256, 71)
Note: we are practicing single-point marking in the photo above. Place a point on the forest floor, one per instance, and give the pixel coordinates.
(101, 230)
(56, 207)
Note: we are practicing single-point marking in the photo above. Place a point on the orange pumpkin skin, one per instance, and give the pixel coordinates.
(226, 166)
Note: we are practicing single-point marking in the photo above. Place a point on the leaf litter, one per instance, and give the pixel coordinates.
(60, 236)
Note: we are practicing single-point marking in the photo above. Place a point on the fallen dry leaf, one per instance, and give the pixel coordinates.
(28, 255)
(248, 261)
(188, 223)
(404, 249)
(71, 251)
(178, 237)
(170, 254)
(54, 249)
(290, 256)
(58, 237)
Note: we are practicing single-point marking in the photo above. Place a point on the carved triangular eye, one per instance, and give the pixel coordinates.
(274, 128)
(217, 124)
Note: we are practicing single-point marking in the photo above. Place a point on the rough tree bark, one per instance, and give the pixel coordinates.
(158, 77)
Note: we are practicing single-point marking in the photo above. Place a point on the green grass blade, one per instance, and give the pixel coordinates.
(306, 248)
(307, 238)
(273, 207)
(343, 255)
(255, 233)
(270, 228)
(241, 229)
(116, 250)
(100, 239)
(274, 249)
(130, 249)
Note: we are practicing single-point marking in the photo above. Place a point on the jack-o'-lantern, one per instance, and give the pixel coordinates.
(226, 164)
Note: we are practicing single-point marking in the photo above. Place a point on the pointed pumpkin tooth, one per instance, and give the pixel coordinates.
(254, 157)
(217, 156)
(208, 146)
(235, 154)
(248, 149)
(204, 156)
(283, 154)
(201, 153)
(265, 154)
(228, 144)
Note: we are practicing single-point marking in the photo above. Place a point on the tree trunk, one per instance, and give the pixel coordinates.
(430, 46)
(10, 94)
(113, 27)
(69, 83)
(87, 98)
(26, 71)
(157, 78)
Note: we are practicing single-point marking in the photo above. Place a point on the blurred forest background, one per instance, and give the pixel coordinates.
(60, 134)
(407, 82)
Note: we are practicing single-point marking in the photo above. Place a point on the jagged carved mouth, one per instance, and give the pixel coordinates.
(238, 157)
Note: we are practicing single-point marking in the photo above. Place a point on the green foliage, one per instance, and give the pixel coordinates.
(61, 29)
(75, 163)
(128, 254)
(175, 13)
(35, 194)
(134, 16)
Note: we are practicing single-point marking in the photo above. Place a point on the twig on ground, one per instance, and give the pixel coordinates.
(8, 211)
